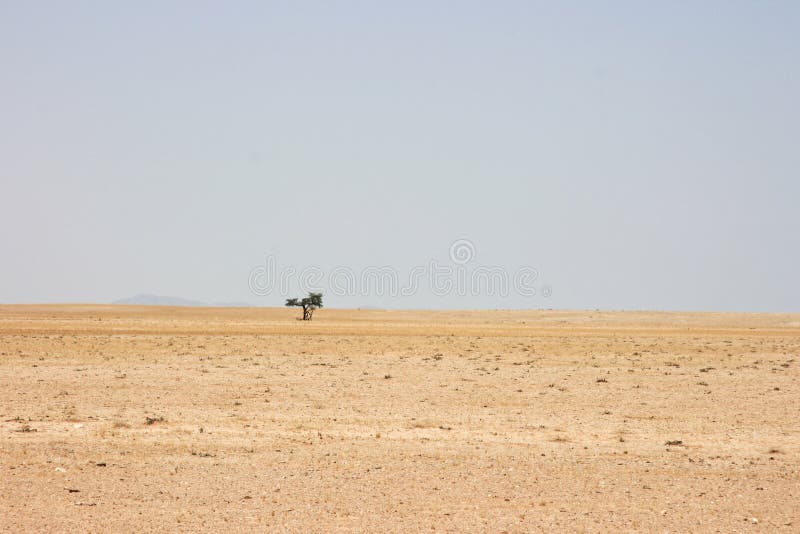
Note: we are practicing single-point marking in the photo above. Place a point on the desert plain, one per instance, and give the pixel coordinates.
(139, 419)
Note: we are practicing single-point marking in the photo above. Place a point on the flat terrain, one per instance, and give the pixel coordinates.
(131, 418)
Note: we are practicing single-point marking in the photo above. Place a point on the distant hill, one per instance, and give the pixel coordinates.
(148, 299)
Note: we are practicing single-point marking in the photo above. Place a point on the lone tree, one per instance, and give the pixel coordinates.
(309, 304)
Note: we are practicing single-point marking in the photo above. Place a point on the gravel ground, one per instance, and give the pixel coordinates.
(127, 418)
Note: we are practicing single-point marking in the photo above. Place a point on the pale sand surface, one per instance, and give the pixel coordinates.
(397, 420)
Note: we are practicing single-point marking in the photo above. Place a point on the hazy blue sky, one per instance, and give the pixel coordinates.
(638, 154)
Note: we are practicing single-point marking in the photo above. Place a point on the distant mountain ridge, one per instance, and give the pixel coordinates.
(149, 299)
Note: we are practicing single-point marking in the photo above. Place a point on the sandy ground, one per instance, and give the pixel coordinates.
(133, 418)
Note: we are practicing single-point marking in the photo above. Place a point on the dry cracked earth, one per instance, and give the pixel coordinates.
(126, 418)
